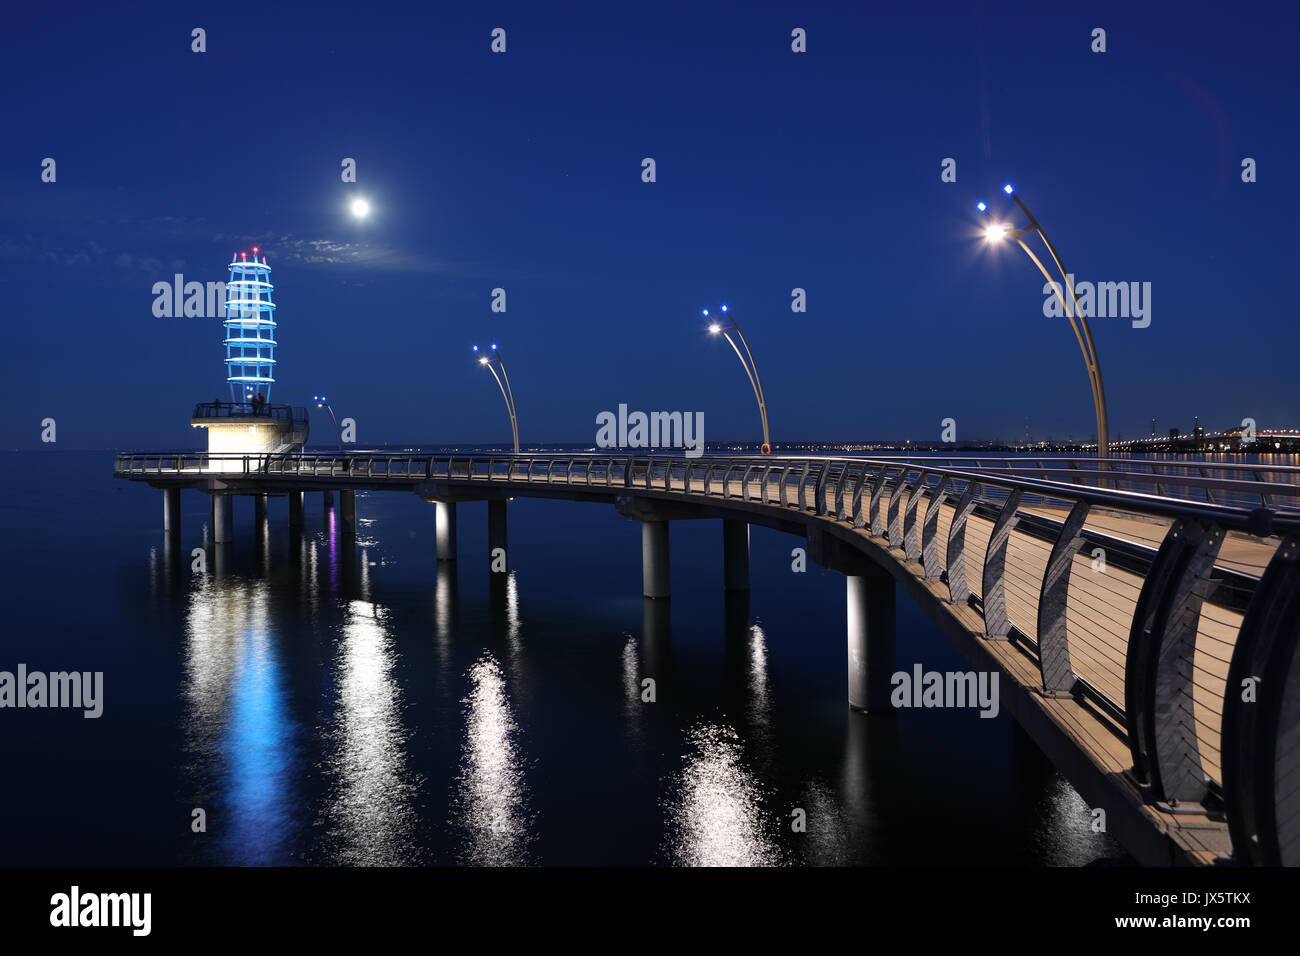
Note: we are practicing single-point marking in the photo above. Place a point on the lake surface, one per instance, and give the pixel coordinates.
(331, 703)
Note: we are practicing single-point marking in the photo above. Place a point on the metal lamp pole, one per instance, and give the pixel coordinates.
(1078, 321)
(503, 383)
(751, 370)
(322, 402)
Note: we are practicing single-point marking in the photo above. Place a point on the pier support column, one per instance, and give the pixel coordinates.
(871, 636)
(223, 518)
(259, 509)
(735, 554)
(348, 511)
(497, 535)
(172, 510)
(295, 509)
(654, 559)
(446, 530)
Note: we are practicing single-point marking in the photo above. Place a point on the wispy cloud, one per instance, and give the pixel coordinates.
(117, 246)
(40, 250)
(368, 256)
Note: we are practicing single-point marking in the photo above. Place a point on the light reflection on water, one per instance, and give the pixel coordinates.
(514, 627)
(490, 803)
(350, 779)
(631, 665)
(714, 813)
(760, 697)
(826, 840)
(1064, 836)
(368, 815)
(238, 733)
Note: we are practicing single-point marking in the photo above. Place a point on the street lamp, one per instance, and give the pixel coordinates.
(322, 402)
(492, 361)
(751, 369)
(997, 232)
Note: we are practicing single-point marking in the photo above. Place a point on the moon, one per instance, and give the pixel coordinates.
(360, 208)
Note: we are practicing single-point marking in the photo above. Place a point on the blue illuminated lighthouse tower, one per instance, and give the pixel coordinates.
(249, 424)
(250, 329)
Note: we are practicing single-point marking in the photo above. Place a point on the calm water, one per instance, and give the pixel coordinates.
(334, 705)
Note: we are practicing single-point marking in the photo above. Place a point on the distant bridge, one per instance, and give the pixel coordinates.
(1143, 617)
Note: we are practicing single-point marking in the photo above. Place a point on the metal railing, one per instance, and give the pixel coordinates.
(1149, 637)
(249, 409)
(1225, 482)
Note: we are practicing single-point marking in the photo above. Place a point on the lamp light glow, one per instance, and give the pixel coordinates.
(1007, 189)
(980, 206)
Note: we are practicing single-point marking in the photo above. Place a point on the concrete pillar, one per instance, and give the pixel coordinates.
(654, 559)
(871, 641)
(223, 518)
(497, 535)
(446, 530)
(295, 509)
(735, 554)
(348, 511)
(172, 510)
(259, 509)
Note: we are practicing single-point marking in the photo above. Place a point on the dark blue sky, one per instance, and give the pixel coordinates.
(775, 170)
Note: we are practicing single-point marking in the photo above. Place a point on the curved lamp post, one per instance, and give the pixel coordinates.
(322, 402)
(751, 369)
(492, 362)
(996, 232)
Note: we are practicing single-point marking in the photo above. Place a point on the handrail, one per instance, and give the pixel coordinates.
(249, 410)
(720, 470)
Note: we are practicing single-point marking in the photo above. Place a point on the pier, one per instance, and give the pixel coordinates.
(1142, 617)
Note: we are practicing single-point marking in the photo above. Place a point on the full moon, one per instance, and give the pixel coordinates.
(360, 208)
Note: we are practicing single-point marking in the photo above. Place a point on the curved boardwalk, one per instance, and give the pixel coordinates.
(1112, 610)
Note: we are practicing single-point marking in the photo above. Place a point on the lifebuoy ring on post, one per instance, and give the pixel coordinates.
(766, 449)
